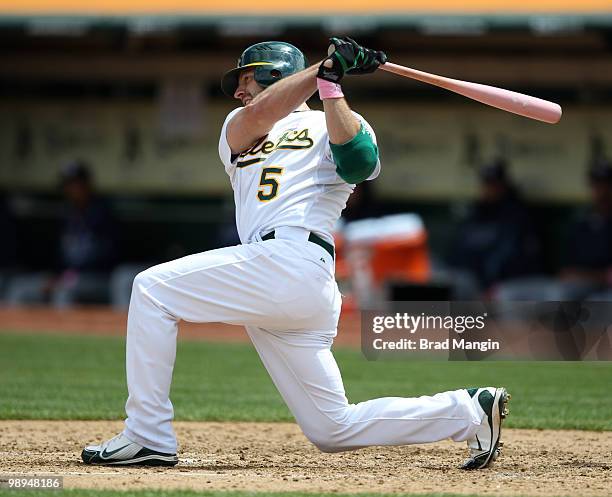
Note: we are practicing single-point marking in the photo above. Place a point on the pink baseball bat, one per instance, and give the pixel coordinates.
(510, 101)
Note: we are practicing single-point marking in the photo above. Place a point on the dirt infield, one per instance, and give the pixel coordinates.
(276, 456)
(105, 321)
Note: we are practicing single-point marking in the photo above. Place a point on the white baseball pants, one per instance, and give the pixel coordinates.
(284, 292)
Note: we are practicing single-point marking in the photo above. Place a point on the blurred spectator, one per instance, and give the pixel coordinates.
(497, 240)
(587, 267)
(588, 257)
(8, 247)
(87, 249)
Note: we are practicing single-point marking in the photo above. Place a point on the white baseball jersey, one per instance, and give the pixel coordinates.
(288, 177)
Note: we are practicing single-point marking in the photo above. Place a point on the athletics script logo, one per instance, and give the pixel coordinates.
(262, 148)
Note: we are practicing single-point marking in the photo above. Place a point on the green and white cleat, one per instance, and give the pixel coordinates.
(486, 445)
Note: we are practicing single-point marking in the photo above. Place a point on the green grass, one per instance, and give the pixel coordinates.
(80, 377)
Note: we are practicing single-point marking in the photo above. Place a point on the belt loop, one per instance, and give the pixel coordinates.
(311, 237)
(295, 233)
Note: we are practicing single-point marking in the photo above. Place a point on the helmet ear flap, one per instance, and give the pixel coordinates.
(265, 76)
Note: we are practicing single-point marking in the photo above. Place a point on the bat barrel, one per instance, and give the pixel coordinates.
(510, 101)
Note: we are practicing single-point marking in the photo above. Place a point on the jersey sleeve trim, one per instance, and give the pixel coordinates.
(369, 129)
(357, 159)
(225, 152)
(366, 126)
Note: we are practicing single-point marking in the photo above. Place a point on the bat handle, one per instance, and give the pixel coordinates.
(330, 50)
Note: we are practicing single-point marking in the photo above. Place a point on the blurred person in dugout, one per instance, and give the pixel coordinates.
(86, 249)
(8, 247)
(496, 241)
(586, 271)
(588, 254)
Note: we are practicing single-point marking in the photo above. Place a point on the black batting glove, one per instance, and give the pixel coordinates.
(348, 57)
(371, 59)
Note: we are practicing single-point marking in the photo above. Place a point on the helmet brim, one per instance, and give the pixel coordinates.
(229, 82)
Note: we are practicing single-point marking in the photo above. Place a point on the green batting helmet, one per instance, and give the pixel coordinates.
(272, 60)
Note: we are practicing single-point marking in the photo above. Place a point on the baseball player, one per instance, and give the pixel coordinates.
(292, 170)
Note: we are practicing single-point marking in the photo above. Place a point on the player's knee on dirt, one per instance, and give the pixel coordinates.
(328, 435)
(356, 160)
(324, 444)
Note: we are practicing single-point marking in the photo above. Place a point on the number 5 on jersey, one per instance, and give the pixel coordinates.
(268, 183)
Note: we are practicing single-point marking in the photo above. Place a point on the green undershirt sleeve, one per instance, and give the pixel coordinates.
(356, 159)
